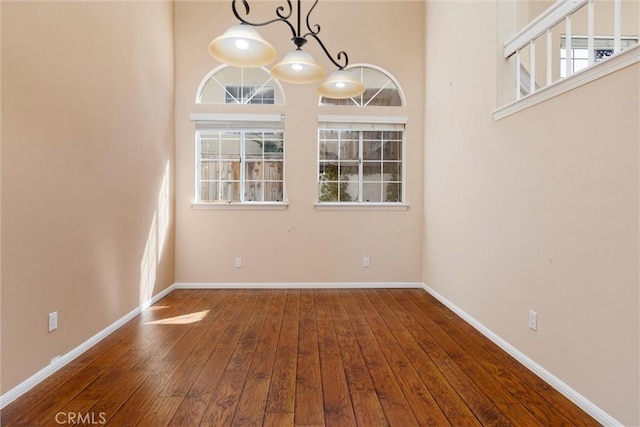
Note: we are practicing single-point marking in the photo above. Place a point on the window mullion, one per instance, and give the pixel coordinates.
(219, 171)
(360, 166)
(198, 188)
(263, 168)
(242, 167)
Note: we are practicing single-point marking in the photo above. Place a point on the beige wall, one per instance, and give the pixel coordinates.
(302, 244)
(87, 137)
(538, 211)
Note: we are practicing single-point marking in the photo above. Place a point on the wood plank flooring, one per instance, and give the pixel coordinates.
(365, 357)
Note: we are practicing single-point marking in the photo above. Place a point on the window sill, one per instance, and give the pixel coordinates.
(617, 62)
(267, 206)
(361, 206)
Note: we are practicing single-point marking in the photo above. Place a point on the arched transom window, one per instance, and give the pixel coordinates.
(232, 85)
(381, 89)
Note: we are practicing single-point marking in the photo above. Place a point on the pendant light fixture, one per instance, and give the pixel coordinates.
(340, 85)
(242, 46)
(298, 67)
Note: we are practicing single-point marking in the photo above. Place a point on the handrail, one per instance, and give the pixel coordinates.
(538, 26)
(561, 10)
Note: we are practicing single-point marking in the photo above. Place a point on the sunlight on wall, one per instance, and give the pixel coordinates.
(148, 265)
(163, 211)
(155, 242)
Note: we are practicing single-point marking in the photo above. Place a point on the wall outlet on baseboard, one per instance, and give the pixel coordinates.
(53, 321)
(533, 320)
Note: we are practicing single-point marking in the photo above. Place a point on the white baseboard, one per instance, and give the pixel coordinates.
(586, 405)
(63, 360)
(311, 285)
(598, 414)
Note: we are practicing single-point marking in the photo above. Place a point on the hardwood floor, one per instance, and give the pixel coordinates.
(367, 357)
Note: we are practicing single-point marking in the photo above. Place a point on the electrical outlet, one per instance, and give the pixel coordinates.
(53, 321)
(238, 262)
(366, 262)
(533, 320)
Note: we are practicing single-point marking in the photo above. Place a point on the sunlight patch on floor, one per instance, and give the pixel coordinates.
(185, 319)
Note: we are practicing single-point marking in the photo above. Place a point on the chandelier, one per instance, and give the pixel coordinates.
(243, 46)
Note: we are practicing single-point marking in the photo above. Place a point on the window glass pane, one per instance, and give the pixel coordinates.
(230, 190)
(372, 192)
(348, 193)
(253, 191)
(371, 171)
(347, 101)
(392, 150)
(329, 135)
(381, 91)
(230, 171)
(230, 145)
(273, 171)
(371, 150)
(349, 150)
(208, 191)
(392, 135)
(328, 150)
(233, 95)
(581, 53)
(392, 192)
(273, 145)
(209, 148)
(579, 64)
(328, 191)
(209, 170)
(329, 171)
(603, 53)
(253, 145)
(273, 192)
(349, 171)
(391, 171)
(253, 170)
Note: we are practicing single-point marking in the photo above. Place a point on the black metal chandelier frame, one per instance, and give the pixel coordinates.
(341, 60)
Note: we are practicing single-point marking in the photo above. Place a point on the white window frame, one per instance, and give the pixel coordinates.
(363, 123)
(205, 122)
(581, 43)
(357, 71)
(211, 78)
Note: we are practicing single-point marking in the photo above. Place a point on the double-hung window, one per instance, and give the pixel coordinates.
(240, 161)
(361, 162)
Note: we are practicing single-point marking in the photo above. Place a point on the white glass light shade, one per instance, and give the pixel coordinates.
(242, 46)
(298, 67)
(340, 85)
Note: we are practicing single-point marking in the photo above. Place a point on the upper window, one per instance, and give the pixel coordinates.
(579, 55)
(557, 40)
(240, 162)
(380, 89)
(232, 85)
